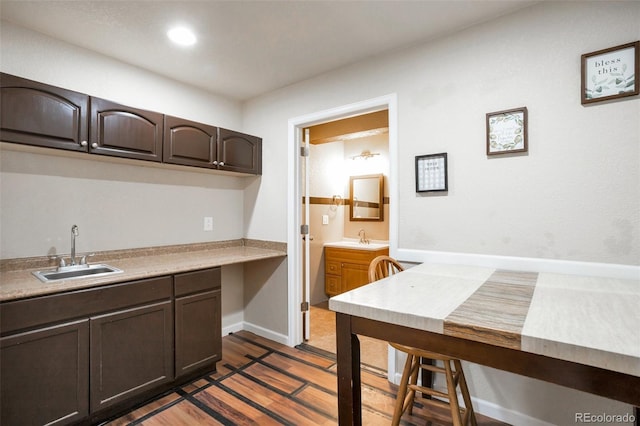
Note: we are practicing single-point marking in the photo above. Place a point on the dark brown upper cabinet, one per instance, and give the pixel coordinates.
(189, 143)
(239, 152)
(122, 131)
(34, 113)
(38, 114)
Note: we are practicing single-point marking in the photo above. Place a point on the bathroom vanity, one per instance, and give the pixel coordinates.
(346, 264)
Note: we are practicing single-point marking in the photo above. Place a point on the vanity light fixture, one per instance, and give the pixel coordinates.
(365, 155)
(182, 36)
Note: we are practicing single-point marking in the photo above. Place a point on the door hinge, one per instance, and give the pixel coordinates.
(304, 306)
(304, 151)
(304, 229)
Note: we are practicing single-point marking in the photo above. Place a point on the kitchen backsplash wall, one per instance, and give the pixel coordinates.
(116, 206)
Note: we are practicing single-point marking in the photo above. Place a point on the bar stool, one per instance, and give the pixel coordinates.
(382, 267)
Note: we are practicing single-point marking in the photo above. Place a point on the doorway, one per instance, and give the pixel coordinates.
(348, 199)
(298, 294)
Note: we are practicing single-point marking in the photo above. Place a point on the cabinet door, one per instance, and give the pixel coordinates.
(189, 143)
(239, 152)
(38, 114)
(131, 352)
(44, 377)
(122, 131)
(353, 276)
(198, 332)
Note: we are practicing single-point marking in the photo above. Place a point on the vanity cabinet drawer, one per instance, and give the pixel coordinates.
(332, 284)
(332, 267)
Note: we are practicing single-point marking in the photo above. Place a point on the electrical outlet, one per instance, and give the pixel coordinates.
(325, 219)
(208, 223)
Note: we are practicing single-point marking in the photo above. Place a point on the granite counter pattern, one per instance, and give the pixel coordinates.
(18, 282)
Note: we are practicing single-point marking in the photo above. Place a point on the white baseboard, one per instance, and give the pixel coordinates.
(232, 328)
(493, 410)
(504, 414)
(266, 333)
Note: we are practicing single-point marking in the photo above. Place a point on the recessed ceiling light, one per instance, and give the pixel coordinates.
(182, 36)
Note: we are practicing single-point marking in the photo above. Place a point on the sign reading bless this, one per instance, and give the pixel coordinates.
(610, 73)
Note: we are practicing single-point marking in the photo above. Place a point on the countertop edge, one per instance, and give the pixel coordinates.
(21, 284)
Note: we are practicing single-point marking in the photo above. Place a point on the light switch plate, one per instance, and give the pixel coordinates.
(208, 223)
(325, 219)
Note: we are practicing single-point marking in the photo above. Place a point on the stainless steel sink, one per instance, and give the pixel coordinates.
(77, 271)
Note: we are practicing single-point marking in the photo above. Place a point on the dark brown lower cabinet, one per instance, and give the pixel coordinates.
(198, 321)
(131, 353)
(84, 355)
(197, 346)
(45, 375)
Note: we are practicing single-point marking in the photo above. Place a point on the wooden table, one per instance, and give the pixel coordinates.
(575, 331)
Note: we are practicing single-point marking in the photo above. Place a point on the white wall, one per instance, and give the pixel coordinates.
(32, 55)
(574, 197)
(116, 204)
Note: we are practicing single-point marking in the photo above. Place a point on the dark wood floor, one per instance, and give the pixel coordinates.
(261, 382)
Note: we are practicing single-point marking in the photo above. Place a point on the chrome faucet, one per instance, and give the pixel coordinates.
(363, 237)
(74, 234)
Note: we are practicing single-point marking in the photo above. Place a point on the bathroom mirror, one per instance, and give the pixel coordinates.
(366, 195)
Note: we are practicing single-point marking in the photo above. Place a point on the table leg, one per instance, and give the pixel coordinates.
(349, 383)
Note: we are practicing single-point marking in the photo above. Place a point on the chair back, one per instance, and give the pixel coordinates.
(383, 266)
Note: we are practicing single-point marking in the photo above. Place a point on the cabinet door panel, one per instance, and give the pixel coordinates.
(38, 114)
(354, 275)
(239, 152)
(198, 332)
(44, 377)
(132, 352)
(122, 131)
(189, 143)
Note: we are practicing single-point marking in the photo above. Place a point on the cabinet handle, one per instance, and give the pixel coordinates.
(221, 163)
(94, 145)
(83, 143)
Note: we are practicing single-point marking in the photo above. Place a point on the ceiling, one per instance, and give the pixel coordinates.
(247, 48)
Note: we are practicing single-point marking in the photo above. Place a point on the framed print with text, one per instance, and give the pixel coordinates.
(431, 173)
(507, 131)
(610, 73)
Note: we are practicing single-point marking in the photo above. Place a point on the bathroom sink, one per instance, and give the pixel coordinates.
(349, 244)
(78, 271)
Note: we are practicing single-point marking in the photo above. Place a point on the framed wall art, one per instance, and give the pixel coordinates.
(610, 73)
(507, 131)
(431, 173)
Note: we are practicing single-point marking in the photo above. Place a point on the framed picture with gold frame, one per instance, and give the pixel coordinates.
(610, 73)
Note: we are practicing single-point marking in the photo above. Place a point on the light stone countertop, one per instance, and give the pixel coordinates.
(18, 283)
(353, 244)
(588, 320)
